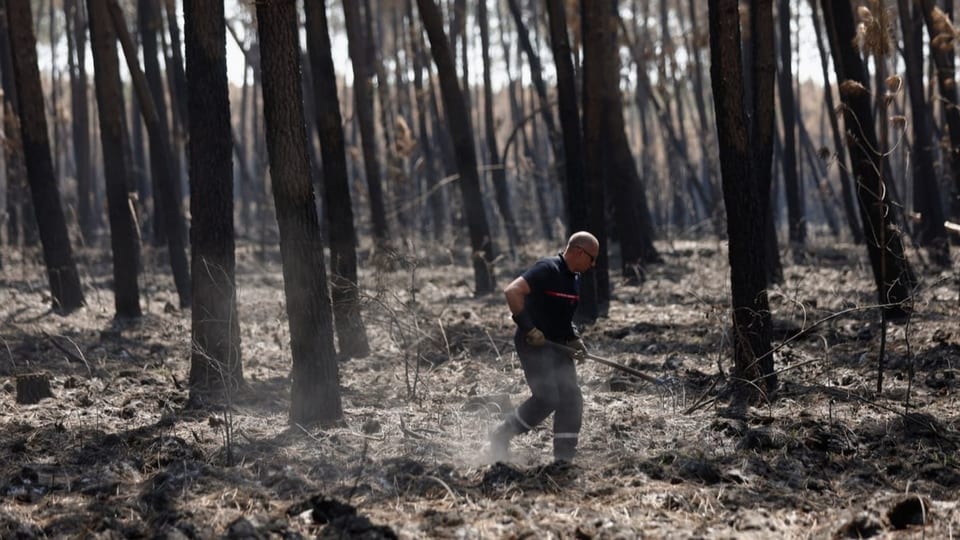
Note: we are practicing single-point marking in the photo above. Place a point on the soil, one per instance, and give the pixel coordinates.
(116, 452)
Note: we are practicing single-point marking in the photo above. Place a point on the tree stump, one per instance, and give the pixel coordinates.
(33, 387)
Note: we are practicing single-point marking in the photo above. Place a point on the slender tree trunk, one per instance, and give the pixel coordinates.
(536, 73)
(363, 109)
(166, 181)
(926, 191)
(796, 218)
(124, 237)
(458, 121)
(79, 112)
(54, 109)
(215, 362)
(315, 393)
(434, 193)
(178, 90)
(853, 218)
(922, 159)
(394, 172)
(140, 181)
(177, 82)
(744, 195)
(241, 145)
(631, 212)
(57, 254)
(21, 223)
(894, 277)
(351, 334)
(598, 164)
(941, 48)
(576, 188)
(498, 172)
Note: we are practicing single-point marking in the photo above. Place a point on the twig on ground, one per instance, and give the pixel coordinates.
(410, 433)
(700, 401)
(76, 357)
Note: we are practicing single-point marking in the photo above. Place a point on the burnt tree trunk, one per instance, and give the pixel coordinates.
(499, 174)
(21, 222)
(315, 393)
(796, 218)
(165, 180)
(892, 273)
(597, 162)
(123, 233)
(57, 253)
(80, 115)
(434, 194)
(853, 217)
(148, 21)
(631, 212)
(744, 196)
(536, 73)
(576, 188)
(32, 387)
(926, 192)
(363, 108)
(941, 48)
(344, 285)
(484, 252)
(215, 363)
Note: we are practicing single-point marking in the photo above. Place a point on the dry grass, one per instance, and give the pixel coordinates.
(115, 452)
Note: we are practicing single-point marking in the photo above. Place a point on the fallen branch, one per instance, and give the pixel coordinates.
(76, 357)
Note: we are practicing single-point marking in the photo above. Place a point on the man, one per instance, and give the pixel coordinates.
(543, 301)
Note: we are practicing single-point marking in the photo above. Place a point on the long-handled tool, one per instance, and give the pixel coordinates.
(599, 359)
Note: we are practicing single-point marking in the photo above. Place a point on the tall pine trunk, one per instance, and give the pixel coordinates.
(80, 115)
(363, 108)
(796, 218)
(577, 205)
(165, 180)
(124, 238)
(484, 251)
(853, 217)
(344, 285)
(57, 254)
(893, 276)
(941, 48)
(499, 174)
(926, 192)
(315, 393)
(744, 195)
(215, 363)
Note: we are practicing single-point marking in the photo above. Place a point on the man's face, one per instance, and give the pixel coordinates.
(584, 258)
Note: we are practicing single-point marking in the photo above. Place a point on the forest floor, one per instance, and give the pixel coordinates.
(116, 454)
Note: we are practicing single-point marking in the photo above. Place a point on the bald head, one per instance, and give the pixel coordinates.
(583, 239)
(581, 252)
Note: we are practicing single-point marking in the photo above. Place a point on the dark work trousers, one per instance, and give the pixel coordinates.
(552, 377)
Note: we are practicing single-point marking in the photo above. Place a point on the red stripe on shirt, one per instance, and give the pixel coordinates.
(562, 295)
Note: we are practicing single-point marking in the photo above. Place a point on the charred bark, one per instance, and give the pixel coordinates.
(215, 362)
(153, 108)
(315, 392)
(57, 253)
(344, 284)
(893, 276)
(124, 237)
(484, 251)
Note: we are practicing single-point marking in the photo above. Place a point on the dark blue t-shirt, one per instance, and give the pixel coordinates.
(553, 298)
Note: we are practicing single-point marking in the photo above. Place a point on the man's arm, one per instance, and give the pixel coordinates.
(516, 292)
